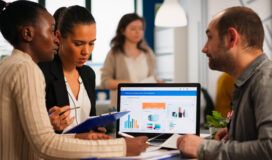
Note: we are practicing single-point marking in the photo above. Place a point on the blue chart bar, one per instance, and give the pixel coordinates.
(127, 125)
(131, 123)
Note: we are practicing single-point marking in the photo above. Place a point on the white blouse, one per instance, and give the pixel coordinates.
(138, 69)
(83, 102)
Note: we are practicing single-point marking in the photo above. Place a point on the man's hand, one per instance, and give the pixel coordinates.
(189, 144)
(59, 117)
(92, 136)
(221, 134)
(136, 145)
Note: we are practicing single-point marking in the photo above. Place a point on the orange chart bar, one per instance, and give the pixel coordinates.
(154, 106)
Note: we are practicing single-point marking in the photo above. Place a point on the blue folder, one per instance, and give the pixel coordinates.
(96, 121)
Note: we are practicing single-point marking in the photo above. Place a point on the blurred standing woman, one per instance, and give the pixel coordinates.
(130, 60)
(68, 81)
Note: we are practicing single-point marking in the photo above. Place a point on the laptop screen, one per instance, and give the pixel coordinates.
(159, 108)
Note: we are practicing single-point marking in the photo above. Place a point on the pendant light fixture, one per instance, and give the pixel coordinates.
(170, 14)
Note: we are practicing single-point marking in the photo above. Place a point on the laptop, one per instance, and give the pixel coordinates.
(159, 109)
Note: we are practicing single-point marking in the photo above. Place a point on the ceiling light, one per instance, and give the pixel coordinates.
(170, 14)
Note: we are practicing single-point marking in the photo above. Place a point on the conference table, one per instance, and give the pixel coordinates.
(159, 154)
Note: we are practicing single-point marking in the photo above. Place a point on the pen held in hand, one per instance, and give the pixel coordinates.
(125, 135)
(74, 108)
(150, 139)
(128, 136)
(69, 110)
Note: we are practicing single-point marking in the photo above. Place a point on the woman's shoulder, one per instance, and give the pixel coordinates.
(113, 55)
(86, 73)
(149, 52)
(86, 68)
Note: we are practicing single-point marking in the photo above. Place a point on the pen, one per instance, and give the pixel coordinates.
(74, 108)
(150, 139)
(128, 136)
(65, 110)
(69, 110)
(125, 135)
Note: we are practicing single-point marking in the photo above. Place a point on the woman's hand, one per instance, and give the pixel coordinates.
(136, 145)
(59, 117)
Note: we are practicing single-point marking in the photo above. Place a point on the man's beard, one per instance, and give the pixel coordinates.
(222, 62)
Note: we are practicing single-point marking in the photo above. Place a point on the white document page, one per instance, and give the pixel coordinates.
(171, 142)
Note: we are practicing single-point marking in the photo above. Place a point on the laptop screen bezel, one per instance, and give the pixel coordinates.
(164, 135)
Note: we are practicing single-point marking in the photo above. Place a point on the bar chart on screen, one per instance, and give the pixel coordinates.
(131, 122)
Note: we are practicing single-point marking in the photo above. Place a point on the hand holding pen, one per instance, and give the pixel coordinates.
(60, 117)
(135, 145)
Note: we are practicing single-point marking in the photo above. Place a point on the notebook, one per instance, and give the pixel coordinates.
(159, 110)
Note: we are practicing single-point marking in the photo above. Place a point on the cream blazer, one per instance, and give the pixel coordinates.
(26, 132)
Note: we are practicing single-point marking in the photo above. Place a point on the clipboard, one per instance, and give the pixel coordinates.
(96, 121)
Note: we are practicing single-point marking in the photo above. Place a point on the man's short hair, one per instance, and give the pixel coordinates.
(246, 22)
